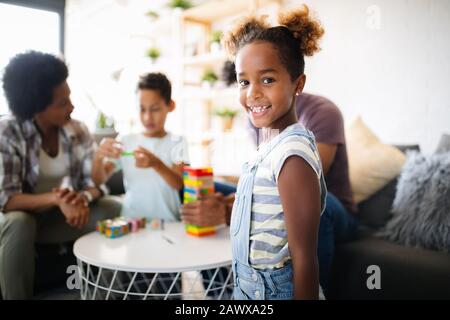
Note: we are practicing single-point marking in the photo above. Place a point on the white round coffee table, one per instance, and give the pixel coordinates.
(155, 264)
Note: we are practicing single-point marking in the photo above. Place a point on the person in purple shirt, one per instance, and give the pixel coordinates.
(337, 223)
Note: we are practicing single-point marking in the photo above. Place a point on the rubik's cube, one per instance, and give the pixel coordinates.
(197, 183)
(115, 228)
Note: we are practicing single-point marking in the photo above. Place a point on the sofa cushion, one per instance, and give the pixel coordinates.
(115, 184)
(422, 203)
(406, 273)
(372, 164)
(375, 212)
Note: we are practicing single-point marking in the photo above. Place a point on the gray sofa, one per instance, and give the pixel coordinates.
(406, 273)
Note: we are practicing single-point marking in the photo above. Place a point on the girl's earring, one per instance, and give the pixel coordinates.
(297, 94)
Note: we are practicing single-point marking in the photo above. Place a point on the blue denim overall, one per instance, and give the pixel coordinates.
(250, 283)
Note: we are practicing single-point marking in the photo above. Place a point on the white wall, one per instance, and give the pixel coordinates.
(106, 42)
(396, 77)
(393, 71)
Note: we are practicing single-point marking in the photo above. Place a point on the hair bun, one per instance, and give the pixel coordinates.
(306, 29)
(244, 28)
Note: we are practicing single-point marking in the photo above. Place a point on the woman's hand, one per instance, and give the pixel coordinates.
(74, 206)
(71, 197)
(109, 148)
(146, 159)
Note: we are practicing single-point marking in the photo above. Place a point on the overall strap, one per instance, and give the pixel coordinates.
(276, 140)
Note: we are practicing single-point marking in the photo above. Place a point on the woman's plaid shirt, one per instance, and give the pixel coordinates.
(20, 143)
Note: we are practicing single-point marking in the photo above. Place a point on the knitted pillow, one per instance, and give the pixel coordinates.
(421, 208)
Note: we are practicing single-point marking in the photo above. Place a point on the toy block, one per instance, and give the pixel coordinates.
(204, 234)
(200, 231)
(198, 171)
(114, 228)
(157, 224)
(198, 182)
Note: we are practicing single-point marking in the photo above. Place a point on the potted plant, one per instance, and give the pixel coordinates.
(182, 4)
(209, 78)
(104, 123)
(104, 127)
(153, 53)
(214, 42)
(227, 115)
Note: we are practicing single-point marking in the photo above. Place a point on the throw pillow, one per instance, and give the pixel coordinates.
(421, 208)
(372, 164)
(375, 212)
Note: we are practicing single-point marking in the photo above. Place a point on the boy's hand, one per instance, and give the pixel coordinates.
(109, 148)
(146, 159)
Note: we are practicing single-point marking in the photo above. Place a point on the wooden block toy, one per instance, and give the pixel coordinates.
(156, 224)
(198, 182)
(134, 225)
(200, 231)
(114, 228)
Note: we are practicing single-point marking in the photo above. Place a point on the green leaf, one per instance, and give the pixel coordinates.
(210, 76)
(183, 4)
(226, 112)
(153, 53)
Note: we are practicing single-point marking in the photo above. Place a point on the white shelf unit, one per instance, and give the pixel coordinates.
(190, 31)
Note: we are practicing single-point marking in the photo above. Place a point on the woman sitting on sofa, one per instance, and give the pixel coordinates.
(46, 192)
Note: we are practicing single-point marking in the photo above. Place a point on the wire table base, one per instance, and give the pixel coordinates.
(99, 283)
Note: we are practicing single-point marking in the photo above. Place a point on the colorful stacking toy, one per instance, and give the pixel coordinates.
(198, 182)
(114, 228)
(200, 231)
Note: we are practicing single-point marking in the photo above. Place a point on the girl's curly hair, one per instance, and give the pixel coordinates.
(296, 36)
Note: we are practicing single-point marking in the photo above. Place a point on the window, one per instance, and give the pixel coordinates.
(25, 25)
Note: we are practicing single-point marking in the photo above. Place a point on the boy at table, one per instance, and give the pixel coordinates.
(152, 161)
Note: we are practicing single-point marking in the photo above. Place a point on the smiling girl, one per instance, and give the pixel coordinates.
(281, 191)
